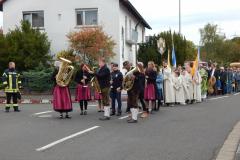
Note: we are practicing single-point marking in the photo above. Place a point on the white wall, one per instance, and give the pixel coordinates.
(111, 17)
(129, 50)
(58, 29)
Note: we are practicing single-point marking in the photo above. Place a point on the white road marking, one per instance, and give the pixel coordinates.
(92, 105)
(218, 98)
(40, 113)
(236, 94)
(65, 139)
(124, 117)
(45, 116)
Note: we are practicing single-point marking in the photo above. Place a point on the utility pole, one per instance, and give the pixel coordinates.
(180, 27)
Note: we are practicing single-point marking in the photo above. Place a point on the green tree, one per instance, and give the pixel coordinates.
(27, 46)
(212, 42)
(91, 44)
(184, 49)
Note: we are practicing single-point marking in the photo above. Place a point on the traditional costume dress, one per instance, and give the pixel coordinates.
(104, 76)
(83, 91)
(168, 86)
(150, 88)
(62, 102)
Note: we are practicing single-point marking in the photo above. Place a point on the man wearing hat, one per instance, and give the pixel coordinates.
(116, 88)
(133, 93)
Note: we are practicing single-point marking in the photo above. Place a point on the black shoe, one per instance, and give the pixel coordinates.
(7, 111)
(112, 114)
(119, 114)
(68, 117)
(132, 121)
(104, 118)
(17, 110)
(81, 113)
(85, 112)
(99, 111)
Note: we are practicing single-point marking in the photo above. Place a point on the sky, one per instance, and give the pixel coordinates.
(162, 15)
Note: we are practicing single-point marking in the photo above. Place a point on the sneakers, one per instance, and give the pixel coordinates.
(132, 121)
(104, 118)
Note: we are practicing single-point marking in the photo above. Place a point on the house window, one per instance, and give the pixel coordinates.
(36, 18)
(87, 17)
(126, 27)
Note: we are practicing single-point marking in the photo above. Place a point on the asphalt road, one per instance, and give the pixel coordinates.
(193, 132)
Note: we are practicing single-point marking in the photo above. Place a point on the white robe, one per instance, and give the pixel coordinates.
(185, 88)
(178, 90)
(197, 87)
(189, 82)
(168, 86)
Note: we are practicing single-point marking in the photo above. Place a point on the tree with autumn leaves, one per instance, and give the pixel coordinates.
(91, 44)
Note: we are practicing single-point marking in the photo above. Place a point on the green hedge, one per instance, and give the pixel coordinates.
(38, 80)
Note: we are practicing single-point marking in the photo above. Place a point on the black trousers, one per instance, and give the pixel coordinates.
(141, 98)
(14, 98)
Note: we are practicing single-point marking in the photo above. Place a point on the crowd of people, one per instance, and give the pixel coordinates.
(148, 87)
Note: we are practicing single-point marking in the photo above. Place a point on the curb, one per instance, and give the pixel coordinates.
(44, 101)
(229, 148)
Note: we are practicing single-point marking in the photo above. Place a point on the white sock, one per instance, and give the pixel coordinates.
(134, 113)
(107, 111)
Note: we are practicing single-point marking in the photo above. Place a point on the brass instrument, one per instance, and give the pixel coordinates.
(94, 81)
(236, 64)
(65, 73)
(211, 84)
(128, 81)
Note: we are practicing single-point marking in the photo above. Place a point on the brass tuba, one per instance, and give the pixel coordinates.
(128, 81)
(65, 73)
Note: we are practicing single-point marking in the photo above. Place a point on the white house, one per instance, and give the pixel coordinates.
(57, 18)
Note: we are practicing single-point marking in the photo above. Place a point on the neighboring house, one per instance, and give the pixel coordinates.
(57, 18)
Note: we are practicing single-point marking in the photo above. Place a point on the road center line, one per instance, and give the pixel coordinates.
(40, 113)
(218, 98)
(65, 139)
(124, 117)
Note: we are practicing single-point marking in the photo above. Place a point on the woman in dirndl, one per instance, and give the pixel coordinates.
(62, 102)
(150, 87)
(83, 91)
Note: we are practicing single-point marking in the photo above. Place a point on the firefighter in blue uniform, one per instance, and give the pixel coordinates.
(12, 83)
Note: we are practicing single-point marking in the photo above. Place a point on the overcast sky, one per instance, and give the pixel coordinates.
(163, 14)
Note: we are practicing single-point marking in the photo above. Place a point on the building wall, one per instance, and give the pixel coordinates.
(111, 18)
(128, 22)
(57, 27)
